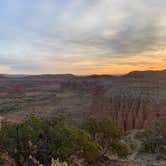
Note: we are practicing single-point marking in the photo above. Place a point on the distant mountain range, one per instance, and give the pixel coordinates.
(134, 74)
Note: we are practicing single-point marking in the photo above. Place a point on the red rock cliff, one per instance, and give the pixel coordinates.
(130, 113)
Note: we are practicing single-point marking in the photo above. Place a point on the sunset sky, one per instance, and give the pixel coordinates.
(82, 36)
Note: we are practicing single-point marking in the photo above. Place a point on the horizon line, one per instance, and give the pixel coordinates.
(116, 74)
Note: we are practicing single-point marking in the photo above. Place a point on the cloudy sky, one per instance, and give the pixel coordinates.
(82, 36)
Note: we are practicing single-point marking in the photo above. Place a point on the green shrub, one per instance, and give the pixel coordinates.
(62, 142)
(18, 138)
(46, 138)
(119, 148)
(66, 141)
(91, 151)
(154, 140)
(106, 133)
(106, 129)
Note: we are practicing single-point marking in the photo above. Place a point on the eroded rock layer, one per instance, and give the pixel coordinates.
(130, 113)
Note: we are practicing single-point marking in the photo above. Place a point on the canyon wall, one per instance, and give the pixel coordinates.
(130, 113)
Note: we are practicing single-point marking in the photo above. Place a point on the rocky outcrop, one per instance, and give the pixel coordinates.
(129, 112)
(147, 74)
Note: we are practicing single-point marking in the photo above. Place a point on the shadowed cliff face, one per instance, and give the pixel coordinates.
(130, 113)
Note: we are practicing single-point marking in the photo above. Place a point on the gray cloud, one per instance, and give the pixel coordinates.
(83, 30)
(139, 31)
